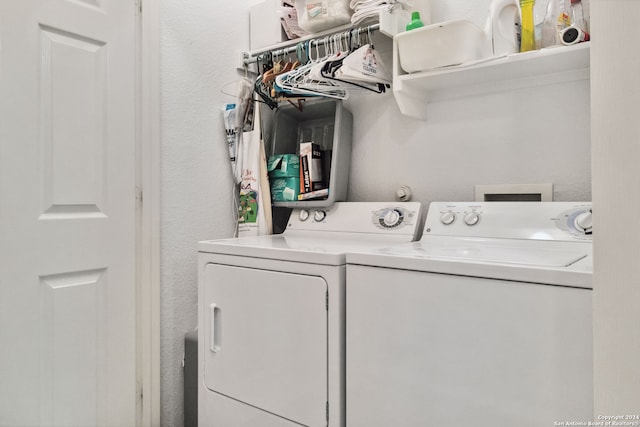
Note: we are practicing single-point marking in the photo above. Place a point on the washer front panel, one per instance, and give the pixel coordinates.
(440, 350)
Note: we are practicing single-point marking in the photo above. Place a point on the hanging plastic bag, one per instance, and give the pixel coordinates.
(254, 203)
(229, 112)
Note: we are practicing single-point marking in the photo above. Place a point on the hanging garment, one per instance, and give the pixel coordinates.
(254, 202)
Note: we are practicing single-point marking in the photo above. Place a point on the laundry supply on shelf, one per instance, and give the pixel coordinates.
(311, 169)
(284, 175)
(318, 15)
(415, 22)
(555, 21)
(527, 37)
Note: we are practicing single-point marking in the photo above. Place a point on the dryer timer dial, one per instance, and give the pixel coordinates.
(390, 218)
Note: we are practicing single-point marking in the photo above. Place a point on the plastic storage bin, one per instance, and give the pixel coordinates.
(328, 124)
(320, 15)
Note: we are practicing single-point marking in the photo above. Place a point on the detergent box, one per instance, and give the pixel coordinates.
(284, 177)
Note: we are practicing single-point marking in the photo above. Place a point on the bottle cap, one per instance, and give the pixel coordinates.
(415, 15)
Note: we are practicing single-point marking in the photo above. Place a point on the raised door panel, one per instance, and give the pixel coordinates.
(266, 340)
(73, 93)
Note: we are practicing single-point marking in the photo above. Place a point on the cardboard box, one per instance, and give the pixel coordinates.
(311, 171)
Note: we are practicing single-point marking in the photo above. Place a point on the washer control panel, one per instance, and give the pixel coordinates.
(522, 220)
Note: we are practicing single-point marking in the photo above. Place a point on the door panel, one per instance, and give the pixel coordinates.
(72, 128)
(67, 212)
(72, 333)
(266, 340)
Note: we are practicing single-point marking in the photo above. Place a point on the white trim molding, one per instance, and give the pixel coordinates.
(148, 182)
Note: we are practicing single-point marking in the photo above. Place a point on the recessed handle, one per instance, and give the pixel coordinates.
(214, 328)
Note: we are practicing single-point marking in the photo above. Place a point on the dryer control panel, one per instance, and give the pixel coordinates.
(565, 221)
(359, 218)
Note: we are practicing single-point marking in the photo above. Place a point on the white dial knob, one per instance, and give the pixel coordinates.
(303, 215)
(391, 218)
(447, 218)
(584, 222)
(472, 218)
(319, 216)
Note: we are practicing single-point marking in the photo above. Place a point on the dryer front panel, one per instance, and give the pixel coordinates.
(266, 340)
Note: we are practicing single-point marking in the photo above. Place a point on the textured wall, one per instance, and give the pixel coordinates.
(521, 137)
(476, 140)
(198, 39)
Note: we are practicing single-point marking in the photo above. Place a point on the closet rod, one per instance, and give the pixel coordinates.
(319, 39)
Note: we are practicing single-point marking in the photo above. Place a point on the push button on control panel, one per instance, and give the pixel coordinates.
(319, 216)
(472, 218)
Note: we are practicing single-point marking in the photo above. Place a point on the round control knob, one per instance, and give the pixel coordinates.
(391, 218)
(584, 222)
(471, 218)
(303, 215)
(319, 216)
(447, 218)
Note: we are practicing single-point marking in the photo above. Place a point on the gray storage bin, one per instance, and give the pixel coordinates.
(327, 123)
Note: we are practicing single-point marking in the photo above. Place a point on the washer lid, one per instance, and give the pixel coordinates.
(557, 263)
(501, 254)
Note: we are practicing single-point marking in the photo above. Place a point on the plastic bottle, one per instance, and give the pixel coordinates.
(527, 37)
(416, 22)
(577, 15)
(556, 19)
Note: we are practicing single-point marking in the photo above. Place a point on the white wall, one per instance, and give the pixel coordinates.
(616, 201)
(527, 136)
(198, 38)
(520, 137)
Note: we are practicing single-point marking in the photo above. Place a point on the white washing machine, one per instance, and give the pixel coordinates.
(271, 315)
(486, 321)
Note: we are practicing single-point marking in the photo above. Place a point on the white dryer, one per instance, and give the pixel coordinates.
(271, 315)
(486, 321)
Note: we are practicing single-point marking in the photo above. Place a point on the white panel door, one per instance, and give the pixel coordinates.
(266, 340)
(67, 212)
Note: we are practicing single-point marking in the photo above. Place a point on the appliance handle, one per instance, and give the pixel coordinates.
(214, 335)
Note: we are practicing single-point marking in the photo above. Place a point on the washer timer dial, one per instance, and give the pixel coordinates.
(584, 222)
(577, 221)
